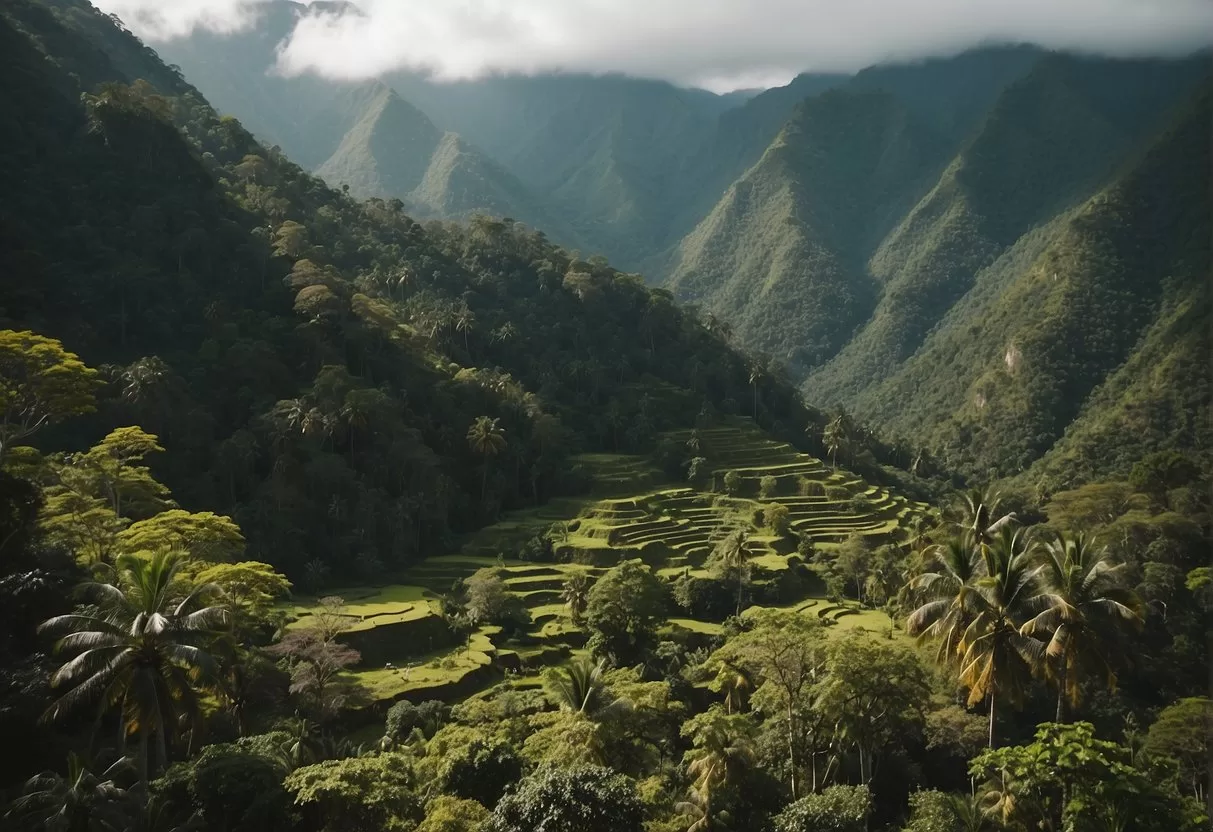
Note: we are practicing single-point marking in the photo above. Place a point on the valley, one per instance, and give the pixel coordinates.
(671, 528)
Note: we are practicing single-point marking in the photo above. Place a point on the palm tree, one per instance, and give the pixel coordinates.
(835, 437)
(736, 685)
(80, 802)
(996, 658)
(141, 650)
(732, 554)
(721, 754)
(487, 439)
(980, 512)
(465, 322)
(1084, 604)
(945, 593)
(575, 594)
(579, 687)
(757, 374)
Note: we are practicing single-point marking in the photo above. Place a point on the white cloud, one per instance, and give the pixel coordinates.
(721, 43)
(165, 19)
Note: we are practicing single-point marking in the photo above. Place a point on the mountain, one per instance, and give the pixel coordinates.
(312, 364)
(783, 251)
(863, 278)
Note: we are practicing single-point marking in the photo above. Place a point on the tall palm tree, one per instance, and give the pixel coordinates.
(1084, 604)
(732, 554)
(82, 801)
(757, 374)
(996, 658)
(946, 595)
(576, 594)
(835, 438)
(722, 752)
(141, 649)
(486, 438)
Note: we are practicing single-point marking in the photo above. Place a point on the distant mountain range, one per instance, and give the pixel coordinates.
(1002, 255)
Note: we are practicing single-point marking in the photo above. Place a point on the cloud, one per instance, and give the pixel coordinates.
(157, 20)
(716, 43)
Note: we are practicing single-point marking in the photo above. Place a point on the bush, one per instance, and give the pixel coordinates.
(580, 798)
(704, 598)
(811, 487)
(836, 809)
(768, 486)
(404, 717)
(859, 504)
(776, 518)
(837, 492)
(732, 483)
(480, 771)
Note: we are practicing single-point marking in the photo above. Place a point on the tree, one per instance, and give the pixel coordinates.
(722, 750)
(81, 801)
(975, 603)
(1087, 605)
(250, 587)
(403, 718)
(623, 610)
(580, 687)
(579, 798)
(204, 536)
(576, 593)
(945, 595)
(854, 561)
(1182, 732)
(453, 814)
(836, 809)
(357, 794)
(480, 770)
(1068, 779)
(141, 651)
(731, 558)
(316, 660)
(487, 596)
(487, 439)
(110, 470)
(932, 811)
(785, 654)
(835, 437)
(872, 694)
(41, 383)
(232, 786)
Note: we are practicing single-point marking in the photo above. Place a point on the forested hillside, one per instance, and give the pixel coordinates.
(887, 324)
(317, 518)
(312, 364)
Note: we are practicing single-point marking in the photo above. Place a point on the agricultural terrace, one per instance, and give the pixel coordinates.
(409, 650)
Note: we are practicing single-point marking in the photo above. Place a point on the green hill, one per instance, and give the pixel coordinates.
(782, 255)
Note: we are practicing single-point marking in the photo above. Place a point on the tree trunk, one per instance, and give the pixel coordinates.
(1061, 691)
(993, 699)
(791, 752)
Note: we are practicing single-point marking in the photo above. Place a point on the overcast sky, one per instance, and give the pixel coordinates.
(719, 44)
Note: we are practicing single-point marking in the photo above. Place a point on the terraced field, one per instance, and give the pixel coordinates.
(409, 652)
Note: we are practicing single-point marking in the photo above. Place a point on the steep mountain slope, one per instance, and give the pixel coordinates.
(1050, 140)
(312, 365)
(1079, 321)
(783, 253)
(394, 150)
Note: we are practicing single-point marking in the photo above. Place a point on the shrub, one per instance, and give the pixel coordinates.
(704, 598)
(578, 798)
(480, 771)
(859, 504)
(776, 518)
(837, 492)
(811, 487)
(768, 486)
(836, 809)
(732, 483)
(403, 717)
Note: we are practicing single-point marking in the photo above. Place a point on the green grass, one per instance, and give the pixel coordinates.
(433, 671)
